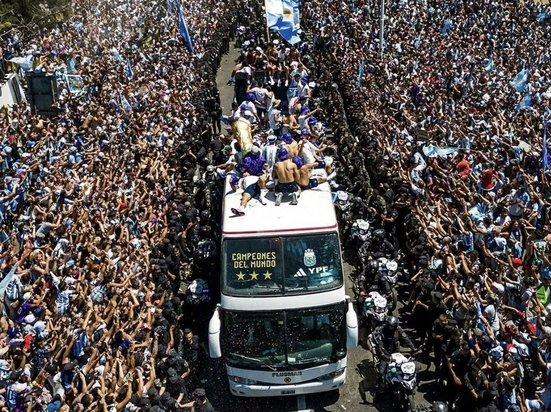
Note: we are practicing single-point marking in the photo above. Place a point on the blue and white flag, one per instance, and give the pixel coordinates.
(280, 17)
(7, 279)
(126, 106)
(446, 28)
(545, 148)
(361, 72)
(26, 63)
(543, 16)
(128, 70)
(526, 102)
(78, 26)
(296, 12)
(71, 65)
(520, 81)
(184, 31)
(489, 65)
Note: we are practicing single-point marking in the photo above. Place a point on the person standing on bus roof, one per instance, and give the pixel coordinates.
(287, 175)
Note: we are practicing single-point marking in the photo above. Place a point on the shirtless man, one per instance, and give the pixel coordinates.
(254, 187)
(305, 180)
(287, 174)
(292, 145)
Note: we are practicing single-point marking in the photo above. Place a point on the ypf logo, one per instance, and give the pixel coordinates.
(309, 258)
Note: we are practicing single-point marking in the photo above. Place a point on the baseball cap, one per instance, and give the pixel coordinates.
(283, 154)
(287, 138)
(298, 161)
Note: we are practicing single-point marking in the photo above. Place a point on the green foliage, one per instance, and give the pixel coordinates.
(24, 12)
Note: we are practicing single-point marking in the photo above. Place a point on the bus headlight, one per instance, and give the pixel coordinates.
(242, 381)
(332, 375)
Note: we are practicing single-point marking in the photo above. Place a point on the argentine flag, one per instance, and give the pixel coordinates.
(184, 31)
(546, 159)
(129, 71)
(520, 81)
(283, 16)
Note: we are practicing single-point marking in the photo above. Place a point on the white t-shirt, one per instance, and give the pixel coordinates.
(260, 95)
(245, 105)
(309, 151)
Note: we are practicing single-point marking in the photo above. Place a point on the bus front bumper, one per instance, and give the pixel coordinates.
(264, 390)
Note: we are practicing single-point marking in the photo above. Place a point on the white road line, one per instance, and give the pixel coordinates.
(301, 404)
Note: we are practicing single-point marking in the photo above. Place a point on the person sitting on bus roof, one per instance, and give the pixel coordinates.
(253, 188)
(309, 148)
(287, 174)
(254, 162)
(291, 144)
(305, 179)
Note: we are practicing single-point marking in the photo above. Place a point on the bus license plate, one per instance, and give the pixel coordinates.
(288, 392)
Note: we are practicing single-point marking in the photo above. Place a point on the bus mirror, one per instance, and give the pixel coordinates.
(351, 327)
(214, 334)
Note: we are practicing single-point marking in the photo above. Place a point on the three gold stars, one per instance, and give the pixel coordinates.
(254, 276)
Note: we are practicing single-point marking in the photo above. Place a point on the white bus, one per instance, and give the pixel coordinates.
(284, 322)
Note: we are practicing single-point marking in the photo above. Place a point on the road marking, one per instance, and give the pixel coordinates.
(301, 404)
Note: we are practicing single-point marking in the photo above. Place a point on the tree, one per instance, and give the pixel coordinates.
(14, 13)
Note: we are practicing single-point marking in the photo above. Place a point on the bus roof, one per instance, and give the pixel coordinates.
(314, 213)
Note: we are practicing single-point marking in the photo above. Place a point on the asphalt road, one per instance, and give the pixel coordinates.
(360, 374)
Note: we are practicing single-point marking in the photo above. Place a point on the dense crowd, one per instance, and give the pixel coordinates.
(108, 212)
(98, 211)
(451, 126)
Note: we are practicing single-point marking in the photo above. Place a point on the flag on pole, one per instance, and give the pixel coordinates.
(545, 149)
(184, 31)
(361, 72)
(280, 17)
(129, 71)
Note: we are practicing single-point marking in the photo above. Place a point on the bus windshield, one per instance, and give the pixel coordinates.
(282, 339)
(281, 265)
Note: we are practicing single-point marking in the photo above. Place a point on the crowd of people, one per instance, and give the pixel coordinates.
(108, 211)
(99, 211)
(450, 122)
